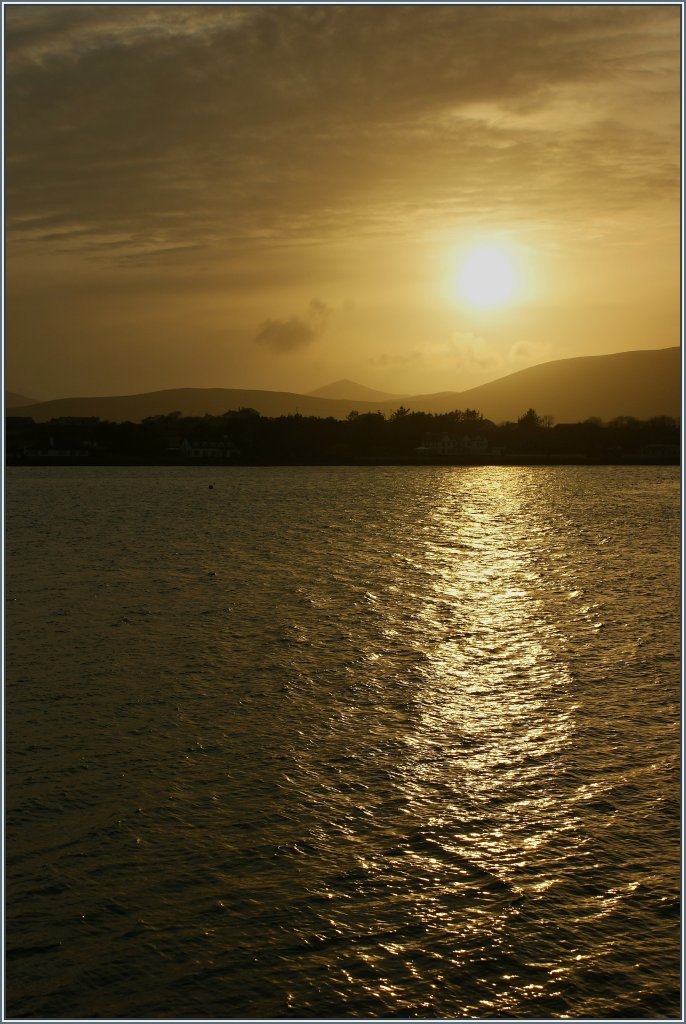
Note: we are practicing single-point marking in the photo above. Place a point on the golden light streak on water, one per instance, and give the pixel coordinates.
(344, 742)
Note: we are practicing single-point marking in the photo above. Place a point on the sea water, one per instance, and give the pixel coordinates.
(342, 742)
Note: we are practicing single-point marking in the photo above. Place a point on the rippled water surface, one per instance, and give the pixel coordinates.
(342, 742)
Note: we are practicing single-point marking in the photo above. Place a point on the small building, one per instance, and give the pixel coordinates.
(660, 452)
(53, 451)
(208, 449)
(18, 431)
(474, 444)
(444, 444)
(440, 444)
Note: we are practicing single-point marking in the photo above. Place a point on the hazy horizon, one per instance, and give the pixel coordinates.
(416, 198)
(357, 385)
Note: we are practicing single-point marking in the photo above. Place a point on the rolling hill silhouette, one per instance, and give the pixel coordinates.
(639, 384)
(348, 389)
(13, 400)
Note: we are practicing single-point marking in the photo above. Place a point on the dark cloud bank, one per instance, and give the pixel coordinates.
(151, 128)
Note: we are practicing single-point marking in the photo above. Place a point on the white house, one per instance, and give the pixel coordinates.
(195, 449)
(474, 444)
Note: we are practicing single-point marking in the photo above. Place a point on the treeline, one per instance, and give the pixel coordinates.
(245, 437)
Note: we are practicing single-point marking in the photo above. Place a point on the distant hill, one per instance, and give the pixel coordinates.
(640, 384)
(12, 399)
(348, 389)
(192, 402)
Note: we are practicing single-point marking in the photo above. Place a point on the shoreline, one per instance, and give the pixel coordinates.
(513, 460)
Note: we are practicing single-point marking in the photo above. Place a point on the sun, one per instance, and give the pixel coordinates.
(487, 277)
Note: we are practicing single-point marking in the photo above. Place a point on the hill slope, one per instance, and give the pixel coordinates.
(640, 384)
(13, 400)
(192, 402)
(348, 389)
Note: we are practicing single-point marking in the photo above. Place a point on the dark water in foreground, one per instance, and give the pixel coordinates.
(344, 742)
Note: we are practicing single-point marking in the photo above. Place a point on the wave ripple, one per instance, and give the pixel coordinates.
(343, 742)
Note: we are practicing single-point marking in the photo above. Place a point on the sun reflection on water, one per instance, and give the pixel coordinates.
(494, 717)
(391, 764)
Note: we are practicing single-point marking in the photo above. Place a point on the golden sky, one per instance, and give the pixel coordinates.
(277, 197)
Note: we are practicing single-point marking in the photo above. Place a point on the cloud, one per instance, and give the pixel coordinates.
(386, 359)
(224, 125)
(471, 351)
(286, 336)
(465, 354)
(319, 314)
(527, 353)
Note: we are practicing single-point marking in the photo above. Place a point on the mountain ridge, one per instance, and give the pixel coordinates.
(349, 390)
(639, 383)
(13, 400)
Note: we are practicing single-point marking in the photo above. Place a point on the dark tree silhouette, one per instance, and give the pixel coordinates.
(530, 420)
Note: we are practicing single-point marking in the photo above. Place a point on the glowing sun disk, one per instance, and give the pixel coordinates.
(487, 277)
